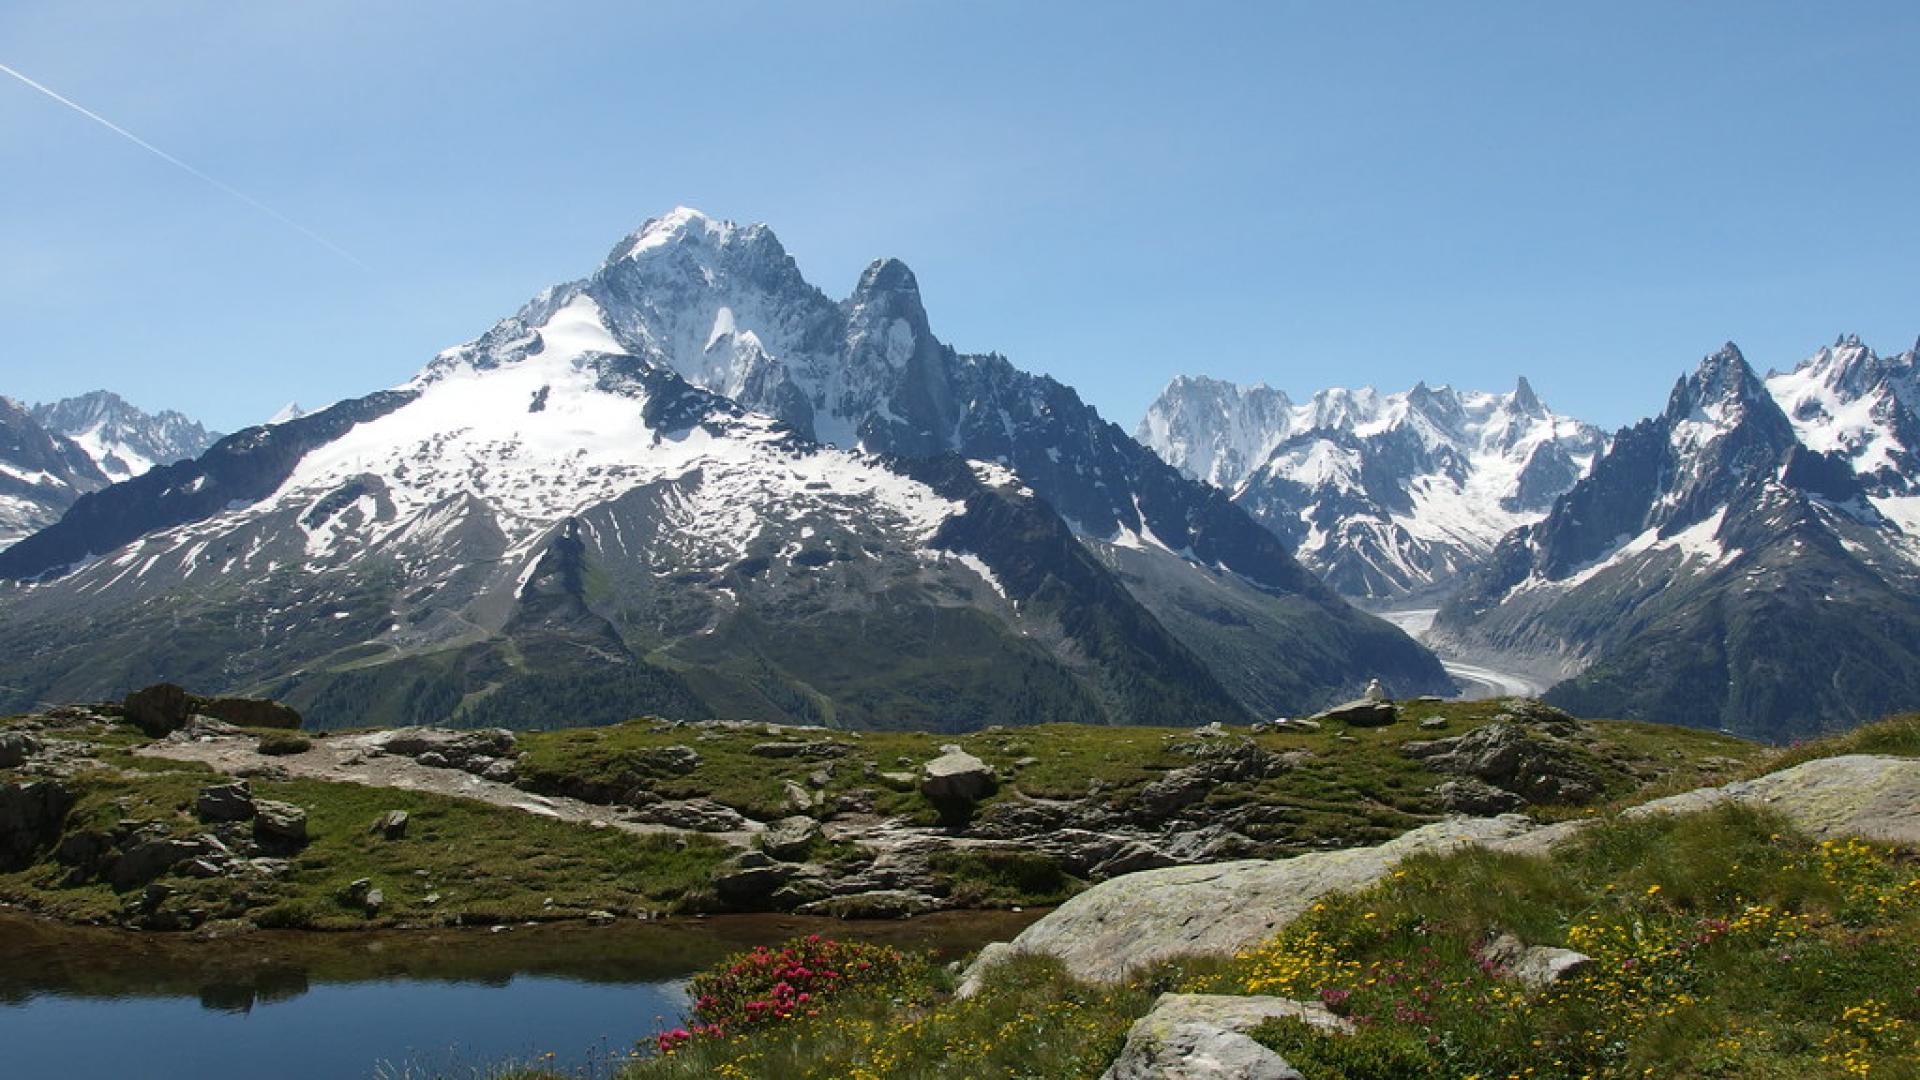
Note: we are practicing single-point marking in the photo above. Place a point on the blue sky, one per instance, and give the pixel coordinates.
(1113, 193)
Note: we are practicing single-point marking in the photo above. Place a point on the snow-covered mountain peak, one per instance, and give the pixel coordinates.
(121, 438)
(1847, 400)
(1214, 430)
(681, 226)
(1382, 493)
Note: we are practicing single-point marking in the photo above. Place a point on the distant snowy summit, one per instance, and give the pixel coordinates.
(123, 439)
(52, 454)
(1384, 495)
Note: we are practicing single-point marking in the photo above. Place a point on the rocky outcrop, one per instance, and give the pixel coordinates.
(164, 708)
(31, 816)
(1218, 763)
(1872, 796)
(1134, 920)
(1528, 761)
(224, 802)
(1205, 1037)
(485, 752)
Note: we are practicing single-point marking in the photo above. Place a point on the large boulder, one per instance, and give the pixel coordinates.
(31, 818)
(159, 709)
(954, 782)
(1205, 1037)
(956, 776)
(16, 747)
(1128, 922)
(248, 712)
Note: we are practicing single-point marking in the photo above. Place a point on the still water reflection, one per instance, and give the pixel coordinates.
(83, 1004)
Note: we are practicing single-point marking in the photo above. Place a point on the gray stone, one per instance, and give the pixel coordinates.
(279, 823)
(791, 838)
(1360, 713)
(1873, 796)
(956, 777)
(500, 772)
(793, 749)
(16, 747)
(145, 860)
(392, 825)
(471, 751)
(1138, 919)
(798, 798)
(698, 815)
(375, 900)
(1536, 767)
(1204, 1037)
(224, 802)
(1534, 967)
(876, 904)
(31, 817)
(1468, 795)
(1433, 723)
(990, 957)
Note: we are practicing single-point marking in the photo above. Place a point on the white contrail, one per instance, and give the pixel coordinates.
(170, 159)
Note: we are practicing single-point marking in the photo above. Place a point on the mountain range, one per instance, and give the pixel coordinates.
(51, 454)
(1386, 496)
(1746, 560)
(691, 483)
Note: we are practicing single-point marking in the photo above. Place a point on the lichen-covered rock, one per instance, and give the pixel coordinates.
(1872, 796)
(147, 859)
(699, 815)
(1204, 1037)
(1134, 920)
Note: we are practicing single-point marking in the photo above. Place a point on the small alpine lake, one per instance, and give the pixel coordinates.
(82, 1003)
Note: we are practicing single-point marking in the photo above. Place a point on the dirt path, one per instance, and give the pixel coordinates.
(355, 759)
